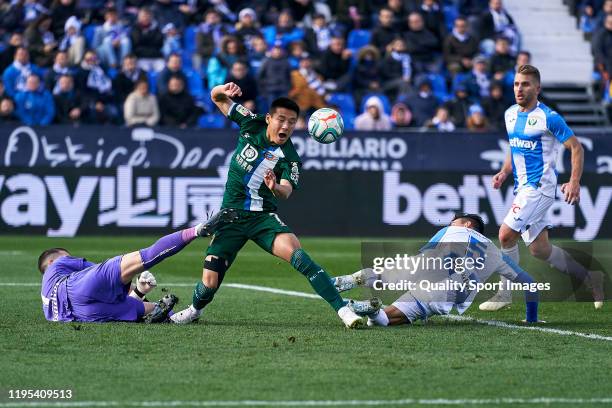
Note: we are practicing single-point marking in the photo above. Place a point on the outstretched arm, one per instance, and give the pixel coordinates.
(222, 96)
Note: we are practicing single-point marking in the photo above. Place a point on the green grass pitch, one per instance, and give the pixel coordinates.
(263, 346)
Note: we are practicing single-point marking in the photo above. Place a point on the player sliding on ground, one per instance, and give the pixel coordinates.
(463, 238)
(74, 289)
(264, 168)
(535, 133)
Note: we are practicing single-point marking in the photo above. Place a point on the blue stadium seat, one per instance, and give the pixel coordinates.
(438, 86)
(451, 12)
(112, 72)
(358, 38)
(88, 32)
(344, 101)
(194, 83)
(152, 77)
(189, 39)
(383, 98)
(211, 121)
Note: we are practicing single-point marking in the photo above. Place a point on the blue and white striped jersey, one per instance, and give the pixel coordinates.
(535, 138)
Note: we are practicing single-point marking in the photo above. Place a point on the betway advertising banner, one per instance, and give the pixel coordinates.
(106, 147)
(66, 202)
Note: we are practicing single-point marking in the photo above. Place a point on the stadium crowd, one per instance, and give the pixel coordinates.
(383, 64)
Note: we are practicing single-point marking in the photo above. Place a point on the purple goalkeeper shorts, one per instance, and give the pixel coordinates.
(96, 294)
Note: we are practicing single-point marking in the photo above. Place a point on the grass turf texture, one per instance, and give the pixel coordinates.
(264, 346)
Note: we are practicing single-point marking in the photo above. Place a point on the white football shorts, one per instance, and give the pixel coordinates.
(528, 214)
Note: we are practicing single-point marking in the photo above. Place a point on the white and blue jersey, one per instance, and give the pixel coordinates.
(535, 138)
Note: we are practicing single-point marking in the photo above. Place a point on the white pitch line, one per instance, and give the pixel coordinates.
(313, 403)
(495, 323)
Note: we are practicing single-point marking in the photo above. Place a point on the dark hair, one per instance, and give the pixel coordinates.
(46, 256)
(529, 70)
(477, 219)
(527, 53)
(284, 102)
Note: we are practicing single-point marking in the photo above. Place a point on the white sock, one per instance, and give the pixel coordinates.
(194, 310)
(379, 319)
(564, 262)
(512, 253)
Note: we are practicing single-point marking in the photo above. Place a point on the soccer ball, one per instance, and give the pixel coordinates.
(325, 125)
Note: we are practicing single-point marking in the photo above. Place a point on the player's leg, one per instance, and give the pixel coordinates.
(221, 252)
(561, 260)
(136, 262)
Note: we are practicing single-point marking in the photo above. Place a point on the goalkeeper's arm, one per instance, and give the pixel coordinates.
(515, 273)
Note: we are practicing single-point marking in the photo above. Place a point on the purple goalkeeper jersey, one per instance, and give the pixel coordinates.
(74, 289)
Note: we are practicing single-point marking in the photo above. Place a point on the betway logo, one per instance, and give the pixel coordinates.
(523, 144)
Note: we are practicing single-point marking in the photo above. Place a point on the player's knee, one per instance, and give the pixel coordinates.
(214, 270)
(507, 237)
(540, 251)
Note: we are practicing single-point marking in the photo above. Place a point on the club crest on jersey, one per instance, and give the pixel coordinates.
(268, 156)
(532, 121)
(248, 153)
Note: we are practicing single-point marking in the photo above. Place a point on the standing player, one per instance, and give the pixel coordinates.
(74, 289)
(535, 133)
(463, 238)
(264, 155)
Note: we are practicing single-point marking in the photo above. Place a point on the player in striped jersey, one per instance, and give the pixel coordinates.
(264, 168)
(462, 238)
(535, 133)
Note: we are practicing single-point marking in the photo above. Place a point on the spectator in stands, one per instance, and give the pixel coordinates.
(16, 74)
(60, 12)
(8, 54)
(284, 31)
(239, 74)
(67, 101)
(12, 17)
(232, 50)
(147, 41)
(96, 90)
(247, 26)
(174, 66)
(208, 38)
(396, 70)
(401, 117)
(588, 20)
(422, 45)
(318, 36)
(3, 93)
(35, 105)
(459, 106)
(374, 116)
(421, 103)
(257, 53)
(366, 76)
(111, 40)
(296, 50)
(177, 106)
(459, 47)
(477, 82)
(60, 67)
(7, 111)
(476, 120)
(441, 121)
(433, 18)
(125, 81)
(602, 49)
(399, 14)
(140, 107)
(502, 61)
(385, 31)
(495, 107)
(73, 41)
(168, 12)
(335, 65)
(353, 14)
(307, 89)
(274, 77)
(41, 41)
(172, 41)
(32, 10)
(496, 22)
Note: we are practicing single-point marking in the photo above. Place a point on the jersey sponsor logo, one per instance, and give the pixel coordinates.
(248, 153)
(523, 144)
(516, 208)
(243, 111)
